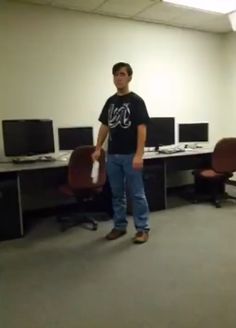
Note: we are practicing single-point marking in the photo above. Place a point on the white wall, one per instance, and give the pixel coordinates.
(229, 121)
(57, 64)
(230, 84)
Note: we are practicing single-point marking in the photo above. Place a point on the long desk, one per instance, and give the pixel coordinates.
(14, 180)
(156, 168)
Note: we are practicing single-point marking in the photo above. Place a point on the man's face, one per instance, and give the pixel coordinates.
(121, 78)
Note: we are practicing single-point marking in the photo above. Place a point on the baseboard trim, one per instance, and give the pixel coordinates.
(180, 188)
(231, 182)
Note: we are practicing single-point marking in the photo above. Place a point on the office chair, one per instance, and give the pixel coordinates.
(81, 186)
(211, 182)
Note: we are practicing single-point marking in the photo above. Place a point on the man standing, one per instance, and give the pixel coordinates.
(124, 118)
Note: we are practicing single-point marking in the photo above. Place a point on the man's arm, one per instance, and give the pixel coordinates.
(102, 134)
(141, 139)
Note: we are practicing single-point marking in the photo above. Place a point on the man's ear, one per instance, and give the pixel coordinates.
(130, 78)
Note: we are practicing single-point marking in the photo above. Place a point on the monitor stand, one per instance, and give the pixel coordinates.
(46, 158)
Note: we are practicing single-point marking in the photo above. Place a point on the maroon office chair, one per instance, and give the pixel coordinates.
(81, 186)
(212, 181)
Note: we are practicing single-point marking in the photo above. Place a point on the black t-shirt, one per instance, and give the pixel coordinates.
(122, 114)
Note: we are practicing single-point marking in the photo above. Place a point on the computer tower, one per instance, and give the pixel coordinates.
(10, 213)
(154, 185)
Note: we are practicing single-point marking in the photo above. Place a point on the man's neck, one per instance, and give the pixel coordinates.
(122, 92)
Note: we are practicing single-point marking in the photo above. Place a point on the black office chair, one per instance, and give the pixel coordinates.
(211, 182)
(81, 186)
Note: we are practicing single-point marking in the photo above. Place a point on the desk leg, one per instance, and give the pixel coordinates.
(11, 220)
(20, 206)
(165, 185)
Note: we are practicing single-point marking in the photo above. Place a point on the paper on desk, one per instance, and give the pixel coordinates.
(95, 171)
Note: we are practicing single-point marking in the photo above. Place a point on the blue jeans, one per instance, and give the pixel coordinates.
(120, 171)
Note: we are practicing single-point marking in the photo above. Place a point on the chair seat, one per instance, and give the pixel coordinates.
(66, 190)
(211, 174)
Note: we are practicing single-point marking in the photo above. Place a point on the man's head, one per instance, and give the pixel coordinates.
(122, 75)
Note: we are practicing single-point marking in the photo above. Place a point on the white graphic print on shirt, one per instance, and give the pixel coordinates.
(119, 116)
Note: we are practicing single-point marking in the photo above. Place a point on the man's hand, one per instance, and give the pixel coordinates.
(96, 154)
(137, 162)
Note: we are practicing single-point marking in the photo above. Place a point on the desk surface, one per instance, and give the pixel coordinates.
(11, 167)
(188, 152)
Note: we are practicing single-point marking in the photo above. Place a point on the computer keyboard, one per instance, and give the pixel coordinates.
(172, 150)
(23, 160)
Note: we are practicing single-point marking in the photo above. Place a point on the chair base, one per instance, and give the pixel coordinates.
(216, 200)
(67, 222)
(210, 190)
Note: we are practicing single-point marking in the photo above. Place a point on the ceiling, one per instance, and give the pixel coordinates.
(154, 11)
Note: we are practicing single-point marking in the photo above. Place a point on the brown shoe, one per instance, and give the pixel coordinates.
(115, 233)
(141, 237)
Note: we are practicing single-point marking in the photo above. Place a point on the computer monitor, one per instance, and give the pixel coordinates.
(27, 137)
(72, 137)
(193, 132)
(160, 132)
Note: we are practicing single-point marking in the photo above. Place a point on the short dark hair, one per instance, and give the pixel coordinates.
(120, 65)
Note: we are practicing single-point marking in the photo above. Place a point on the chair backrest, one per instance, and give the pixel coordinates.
(224, 156)
(80, 168)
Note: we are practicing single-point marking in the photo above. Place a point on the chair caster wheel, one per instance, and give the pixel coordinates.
(95, 227)
(217, 203)
(63, 227)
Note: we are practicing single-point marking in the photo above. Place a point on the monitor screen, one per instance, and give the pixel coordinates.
(72, 137)
(193, 132)
(160, 131)
(27, 137)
